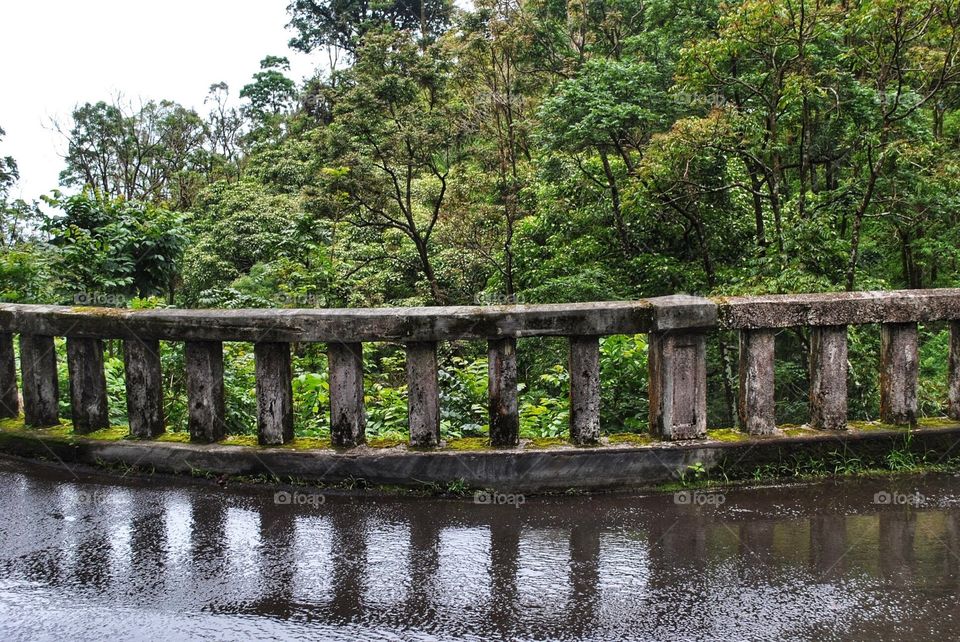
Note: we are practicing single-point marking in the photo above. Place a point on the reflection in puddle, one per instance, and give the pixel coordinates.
(171, 559)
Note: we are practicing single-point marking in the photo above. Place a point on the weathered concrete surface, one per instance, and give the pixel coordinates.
(899, 368)
(205, 391)
(584, 368)
(9, 397)
(953, 406)
(678, 384)
(346, 325)
(828, 377)
(88, 385)
(274, 375)
(423, 394)
(348, 420)
(41, 387)
(527, 471)
(144, 383)
(502, 393)
(840, 308)
(682, 312)
(756, 403)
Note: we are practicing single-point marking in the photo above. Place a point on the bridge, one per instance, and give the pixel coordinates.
(678, 328)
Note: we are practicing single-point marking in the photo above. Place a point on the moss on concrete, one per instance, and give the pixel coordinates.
(792, 430)
(631, 438)
(727, 434)
(937, 422)
(64, 432)
(17, 425)
(113, 433)
(100, 311)
(871, 426)
(309, 443)
(176, 437)
(9, 425)
(468, 443)
(545, 442)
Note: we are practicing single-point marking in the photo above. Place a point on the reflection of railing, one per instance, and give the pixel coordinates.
(600, 565)
(677, 326)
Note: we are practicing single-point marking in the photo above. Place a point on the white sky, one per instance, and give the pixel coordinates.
(55, 54)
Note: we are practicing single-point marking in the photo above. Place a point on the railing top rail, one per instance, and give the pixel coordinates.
(333, 325)
(838, 308)
(485, 322)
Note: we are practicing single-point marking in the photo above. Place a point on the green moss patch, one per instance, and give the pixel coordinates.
(546, 442)
(16, 425)
(631, 438)
(386, 442)
(798, 431)
(100, 311)
(871, 426)
(468, 443)
(309, 443)
(727, 434)
(937, 422)
(176, 437)
(12, 424)
(113, 433)
(240, 440)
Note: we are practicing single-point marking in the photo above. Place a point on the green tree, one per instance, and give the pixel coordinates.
(271, 93)
(398, 131)
(109, 250)
(153, 153)
(343, 23)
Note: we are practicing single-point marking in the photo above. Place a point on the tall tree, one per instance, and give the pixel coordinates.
(148, 154)
(342, 24)
(399, 133)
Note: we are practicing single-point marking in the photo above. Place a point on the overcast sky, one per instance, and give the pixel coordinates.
(55, 54)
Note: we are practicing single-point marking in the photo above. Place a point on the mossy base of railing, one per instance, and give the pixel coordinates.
(624, 461)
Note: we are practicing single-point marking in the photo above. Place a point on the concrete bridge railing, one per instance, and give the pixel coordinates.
(678, 327)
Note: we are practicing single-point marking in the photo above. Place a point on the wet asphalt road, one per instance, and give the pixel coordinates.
(85, 556)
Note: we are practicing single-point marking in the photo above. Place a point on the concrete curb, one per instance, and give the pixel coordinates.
(528, 471)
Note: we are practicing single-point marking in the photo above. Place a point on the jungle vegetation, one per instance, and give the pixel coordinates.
(523, 151)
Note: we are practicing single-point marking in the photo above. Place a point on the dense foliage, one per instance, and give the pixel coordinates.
(526, 151)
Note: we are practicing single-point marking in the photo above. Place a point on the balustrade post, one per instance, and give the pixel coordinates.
(41, 388)
(678, 366)
(502, 392)
(423, 394)
(144, 383)
(205, 393)
(898, 373)
(9, 399)
(953, 408)
(88, 385)
(756, 403)
(584, 367)
(348, 421)
(828, 377)
(274, 374)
